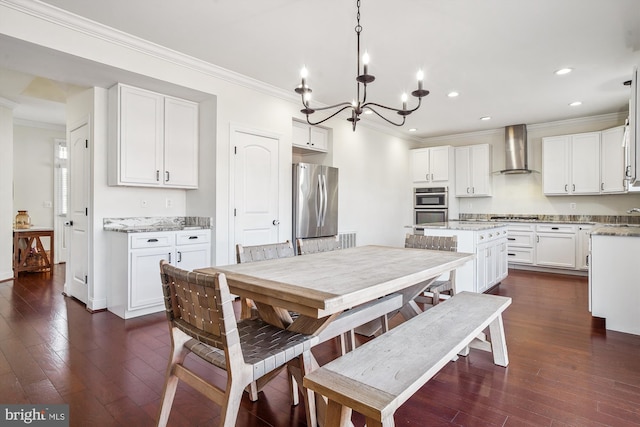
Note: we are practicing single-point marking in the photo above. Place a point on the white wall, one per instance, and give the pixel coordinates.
(6, 192)
(522, 194)
(33, 175)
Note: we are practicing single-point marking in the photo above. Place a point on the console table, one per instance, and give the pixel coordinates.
(29, 253)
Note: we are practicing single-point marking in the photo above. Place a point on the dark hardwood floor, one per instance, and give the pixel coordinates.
(565, 370)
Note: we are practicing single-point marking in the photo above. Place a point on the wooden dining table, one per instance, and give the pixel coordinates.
(322, 286)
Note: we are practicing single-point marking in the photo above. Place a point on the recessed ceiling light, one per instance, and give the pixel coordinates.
(413, 130)
(485, 118)
(453, 94)
(368, 112)
(575, 103)
(563, 71)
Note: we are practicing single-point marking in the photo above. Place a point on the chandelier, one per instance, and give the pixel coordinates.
(359, 105)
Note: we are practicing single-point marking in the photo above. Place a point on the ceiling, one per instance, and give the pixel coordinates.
(500, 55)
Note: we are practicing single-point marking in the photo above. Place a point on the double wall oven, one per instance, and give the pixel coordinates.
(430, 205)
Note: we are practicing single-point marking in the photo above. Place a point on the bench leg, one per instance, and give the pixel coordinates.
(337, 415)
(498, 342)
(387, 422)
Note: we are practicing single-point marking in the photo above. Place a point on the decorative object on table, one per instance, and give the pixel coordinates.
(359, 105)
(23, 220)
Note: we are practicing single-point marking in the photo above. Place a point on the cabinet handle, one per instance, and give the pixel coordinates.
(511, 238)
(152, 240)
(169, 257)
(555, 228)
(510, 254)
(573, 187)
(467, 190)
(566, 188)
(431, 177)
(473, 190)
(537, 239)
(193, 237)
(586, 259)
(166, 179)
(602, 186)
(179, 257)
(157, 175)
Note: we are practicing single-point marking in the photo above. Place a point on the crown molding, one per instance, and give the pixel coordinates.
(4, 102)
(39, 125)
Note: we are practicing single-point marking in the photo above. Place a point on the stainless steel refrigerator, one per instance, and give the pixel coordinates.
(315, 201)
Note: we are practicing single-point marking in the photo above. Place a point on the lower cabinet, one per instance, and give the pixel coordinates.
(135, 288)
(490, 264)
(549, 245)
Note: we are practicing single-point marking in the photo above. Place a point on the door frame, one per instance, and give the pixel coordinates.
(285, 220)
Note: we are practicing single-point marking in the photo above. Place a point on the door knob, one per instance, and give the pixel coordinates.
(276, 222)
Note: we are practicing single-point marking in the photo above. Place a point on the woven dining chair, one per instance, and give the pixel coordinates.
(438, 243)
(202, 321)
(312, 245)
(257, 253)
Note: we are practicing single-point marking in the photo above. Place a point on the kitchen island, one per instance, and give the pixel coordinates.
(488, 240)
(614, 287)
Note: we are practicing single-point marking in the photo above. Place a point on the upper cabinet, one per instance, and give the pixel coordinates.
(585, 163)
(431, 164)
(310, 138)
(473, 170)
(612, 161)
(153, 139)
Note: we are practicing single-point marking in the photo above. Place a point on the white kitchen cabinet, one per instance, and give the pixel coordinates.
(153, 139)
(490, 264)
(582, 246)
(521, 243)
(431, 164)
(612, 161)
(311, 138)
(613, 281)
(134, 272)
(556, 245)
(571, 164)
(193, 249)
(473, 171)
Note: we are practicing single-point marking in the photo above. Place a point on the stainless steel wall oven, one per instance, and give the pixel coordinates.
(430, 205)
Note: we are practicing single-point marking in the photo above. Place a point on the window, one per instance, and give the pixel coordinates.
(61, 177)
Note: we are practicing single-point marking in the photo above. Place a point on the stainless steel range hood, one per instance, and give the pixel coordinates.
(516, 150)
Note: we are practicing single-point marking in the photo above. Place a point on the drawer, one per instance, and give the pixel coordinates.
(556, 228)
(192, 237)
(521, 227)
(520, 255)
(151, 240)
(520, 239)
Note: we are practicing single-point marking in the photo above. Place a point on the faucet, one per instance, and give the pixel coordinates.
(632, 210)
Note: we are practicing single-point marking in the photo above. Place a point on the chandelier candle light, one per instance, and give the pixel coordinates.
(358, 106)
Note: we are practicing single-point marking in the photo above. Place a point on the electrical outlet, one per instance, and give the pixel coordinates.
(572, 206)
(144, 203)
(47, 204)
(168, 203)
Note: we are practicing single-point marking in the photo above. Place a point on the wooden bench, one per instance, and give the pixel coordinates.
(379, 376)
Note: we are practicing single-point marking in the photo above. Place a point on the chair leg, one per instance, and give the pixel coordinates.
(293, 387)
(231, 406)
(246, 308)
(178, 354)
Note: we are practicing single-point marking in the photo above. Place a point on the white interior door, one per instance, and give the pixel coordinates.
(256, 184)
(78, 263)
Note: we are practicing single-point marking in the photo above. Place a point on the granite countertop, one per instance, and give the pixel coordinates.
(461, 225)
(616, 230)
(154, 224)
